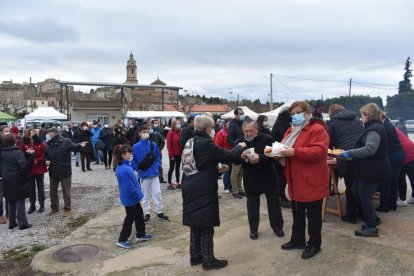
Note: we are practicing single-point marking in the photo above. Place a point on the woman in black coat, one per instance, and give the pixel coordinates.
(200, 197)
(281, 125)
(15, 176)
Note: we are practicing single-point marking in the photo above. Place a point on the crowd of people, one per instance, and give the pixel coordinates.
(376, 157)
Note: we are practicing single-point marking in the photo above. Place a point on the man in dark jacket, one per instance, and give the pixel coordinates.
(235, 133)
(58, 158)
(132, 132)
(187, 132)
(156, 137)
(318, 109)
(259, 176)
(344, 128)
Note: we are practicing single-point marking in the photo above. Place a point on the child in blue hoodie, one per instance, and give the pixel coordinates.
(130, 195)
(149, 176)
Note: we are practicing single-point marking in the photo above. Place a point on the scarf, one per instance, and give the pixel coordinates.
(290, 140)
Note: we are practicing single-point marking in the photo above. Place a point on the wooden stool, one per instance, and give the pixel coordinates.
(338, 210)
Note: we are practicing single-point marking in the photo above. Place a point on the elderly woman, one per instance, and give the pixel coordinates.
(370, 165)
(199, 190)
(307, 175)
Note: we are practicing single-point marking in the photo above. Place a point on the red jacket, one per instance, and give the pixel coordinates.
(38, 165)
(408, 146)
(307, 172)
(221, 139)
(173, 143)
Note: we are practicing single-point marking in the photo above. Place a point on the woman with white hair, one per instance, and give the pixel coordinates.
(199, 190)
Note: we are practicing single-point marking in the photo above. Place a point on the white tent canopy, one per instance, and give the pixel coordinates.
(272, 115)
(45, 113)
(247, 111)
(153, 114)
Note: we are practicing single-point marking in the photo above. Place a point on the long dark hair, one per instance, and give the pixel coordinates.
(119, 150)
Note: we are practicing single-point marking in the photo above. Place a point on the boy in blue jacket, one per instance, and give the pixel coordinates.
(130, 195)
(148, 176)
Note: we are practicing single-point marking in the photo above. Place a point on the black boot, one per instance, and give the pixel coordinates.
(215, 264)
(42, 208)
(31, 209)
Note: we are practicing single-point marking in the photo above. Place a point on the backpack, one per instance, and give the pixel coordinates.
(188, 161)
(148, 159)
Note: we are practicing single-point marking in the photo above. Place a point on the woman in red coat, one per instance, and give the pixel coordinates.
(220, 139)
(174, 153)
(37, 169)
(307, 175)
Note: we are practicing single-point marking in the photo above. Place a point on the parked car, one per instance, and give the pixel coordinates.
(409, 124)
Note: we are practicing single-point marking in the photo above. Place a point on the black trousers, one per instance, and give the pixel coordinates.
(282, 180)
(85, 156)
(133, 214)
(273, 208)
(107, 154)
(37, 181)
(174, 163)
(352, 205)
(313, 210)
(406, 170)
(201, 243)
(160, 170)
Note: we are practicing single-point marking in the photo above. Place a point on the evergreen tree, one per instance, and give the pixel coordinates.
(405, 84)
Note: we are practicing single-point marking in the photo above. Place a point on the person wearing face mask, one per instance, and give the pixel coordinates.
(156, 127)
(307, 174)
(96, 130)
(261, 123)
(235, 133)
(174, 153)
(156, 137)
(84, 135)
(260, 177)
(187, 132)
(58, 158)
(148, 174)
(106, 137)
(4, 130)
(132, 132)
(38, 168)
(370, 165)
(130, 195)
(118, 139)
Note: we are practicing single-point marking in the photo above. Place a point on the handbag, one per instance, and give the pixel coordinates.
(148, 159)
(100, 145)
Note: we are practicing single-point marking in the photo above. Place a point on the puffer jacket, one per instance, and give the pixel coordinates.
(344, 128)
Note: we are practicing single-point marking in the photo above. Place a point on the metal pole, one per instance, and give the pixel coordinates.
(67, 102)
(178, 100)
(122, 101)
(271, 91)
(350, 86)
(162, 99)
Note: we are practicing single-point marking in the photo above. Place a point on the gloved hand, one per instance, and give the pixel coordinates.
(345, 155)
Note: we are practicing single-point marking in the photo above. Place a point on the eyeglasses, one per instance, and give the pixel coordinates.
(298, 112)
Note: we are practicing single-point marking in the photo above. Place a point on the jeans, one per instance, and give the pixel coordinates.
(174, 163)
(406, 170)
(133, 214)
(227, 178)
(273, 209)
(363, 192)
(389, 187)
(77, 157)
(97, 155)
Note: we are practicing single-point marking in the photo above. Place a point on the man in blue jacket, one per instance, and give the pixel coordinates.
(96, 130)
(149, 176)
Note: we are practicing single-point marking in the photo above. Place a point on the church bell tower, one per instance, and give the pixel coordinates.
(131, 70)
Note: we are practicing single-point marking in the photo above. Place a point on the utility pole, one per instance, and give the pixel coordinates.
(350, 86)
(271, 91)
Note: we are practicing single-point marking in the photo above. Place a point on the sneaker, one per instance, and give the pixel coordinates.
(3, 220)
(146, 237)
(52, 212)
(242, 193)
(226, 191)
(163, 217)
(66, 213)
(125, 245)
(31, 210)
(147, 218)
(402, 202)
(410, 201)
(367, 232)
(41, 209)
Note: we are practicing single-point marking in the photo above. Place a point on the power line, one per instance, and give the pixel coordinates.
(287, 88)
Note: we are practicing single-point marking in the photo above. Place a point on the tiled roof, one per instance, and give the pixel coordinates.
(214, 108)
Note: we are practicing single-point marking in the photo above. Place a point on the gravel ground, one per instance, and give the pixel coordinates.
(88, 191)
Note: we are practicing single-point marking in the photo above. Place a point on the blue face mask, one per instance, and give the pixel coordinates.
(242, 117)
(48, 137)
(298, 119)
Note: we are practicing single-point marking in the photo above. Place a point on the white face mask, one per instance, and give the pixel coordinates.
(155, 125)
(212, 133)
(130, 158)
(145, 136)
(48, 137)
(85, 128)
(178, 126)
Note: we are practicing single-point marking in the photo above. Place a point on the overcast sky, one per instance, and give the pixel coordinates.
(213, 47)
